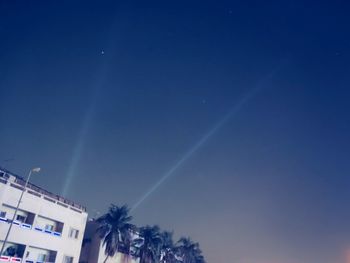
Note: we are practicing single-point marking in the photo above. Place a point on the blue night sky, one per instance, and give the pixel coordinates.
(227, 122)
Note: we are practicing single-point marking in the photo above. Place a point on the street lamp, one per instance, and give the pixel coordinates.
(34, 170)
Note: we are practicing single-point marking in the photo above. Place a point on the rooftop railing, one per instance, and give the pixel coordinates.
(5, 175)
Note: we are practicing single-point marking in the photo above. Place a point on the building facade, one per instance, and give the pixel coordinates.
(47, 227)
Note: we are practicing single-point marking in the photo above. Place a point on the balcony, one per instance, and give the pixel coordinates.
(4, 220)
(38, 255)
(13, 252)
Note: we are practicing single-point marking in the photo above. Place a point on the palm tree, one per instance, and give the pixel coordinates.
(167, 247)
(114, 229)
(189, 252)
(150, 243)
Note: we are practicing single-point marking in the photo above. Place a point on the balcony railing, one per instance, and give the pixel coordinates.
(59, 198)
(15, 259)
(28, 226)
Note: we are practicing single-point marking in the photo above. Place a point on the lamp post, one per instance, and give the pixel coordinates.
(34, 170)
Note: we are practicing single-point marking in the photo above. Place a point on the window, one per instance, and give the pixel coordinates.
(21, 218)
(41, 257)
(11, 251)
(2, 214)
(67, 259)
(48, 227)
(73, 233)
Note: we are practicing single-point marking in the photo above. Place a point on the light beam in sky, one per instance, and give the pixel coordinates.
(86, 125)
(248, 96)
(72, 170)
(97, 89)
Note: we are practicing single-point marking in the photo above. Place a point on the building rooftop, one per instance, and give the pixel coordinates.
(19, 182)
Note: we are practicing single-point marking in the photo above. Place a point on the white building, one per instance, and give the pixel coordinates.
(47, 228)
(93, 250)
